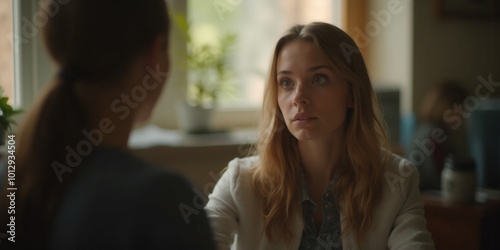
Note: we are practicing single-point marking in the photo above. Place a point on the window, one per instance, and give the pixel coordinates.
(258, 24)
(32, 67)
(6, 60)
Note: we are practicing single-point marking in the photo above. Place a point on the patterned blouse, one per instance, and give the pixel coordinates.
(328, 236)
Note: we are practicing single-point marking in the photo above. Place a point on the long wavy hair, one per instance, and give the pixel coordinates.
(99, 40)
(277, 175)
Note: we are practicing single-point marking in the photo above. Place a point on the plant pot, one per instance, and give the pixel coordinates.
(194, 120)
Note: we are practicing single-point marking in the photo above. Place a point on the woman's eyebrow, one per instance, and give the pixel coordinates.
(319, 67)
(284, 72)
(315, 68)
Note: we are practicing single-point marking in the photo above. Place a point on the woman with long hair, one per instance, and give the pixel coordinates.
(323, 177)
(78, 186)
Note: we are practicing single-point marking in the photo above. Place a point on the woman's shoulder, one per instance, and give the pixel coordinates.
(239, 170)
(116, 193)
(395, 163)
(399, 173)
(243, 164)
(117, 173)
(106, 161)
(237, 180)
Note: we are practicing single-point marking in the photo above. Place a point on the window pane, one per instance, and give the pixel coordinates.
(6, 59)
(258, 24)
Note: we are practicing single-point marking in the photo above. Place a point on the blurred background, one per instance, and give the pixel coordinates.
(410, 48)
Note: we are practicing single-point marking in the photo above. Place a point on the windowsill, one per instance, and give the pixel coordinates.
(153, 136)
(236, 117)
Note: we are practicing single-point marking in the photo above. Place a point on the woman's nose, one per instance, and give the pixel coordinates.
(301, 97)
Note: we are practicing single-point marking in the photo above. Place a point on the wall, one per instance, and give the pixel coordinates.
(457, 49)
(389, 48)
(415, 50)
(6, 60)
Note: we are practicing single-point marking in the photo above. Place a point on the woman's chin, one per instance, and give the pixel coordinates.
(304, 136)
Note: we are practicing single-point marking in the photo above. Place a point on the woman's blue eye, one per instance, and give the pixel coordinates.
(319, 79)
(285, 83)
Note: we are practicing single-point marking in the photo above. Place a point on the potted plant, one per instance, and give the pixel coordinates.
(208, 76)
(6, 113)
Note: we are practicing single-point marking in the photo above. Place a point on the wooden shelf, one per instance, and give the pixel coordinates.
(463, 226)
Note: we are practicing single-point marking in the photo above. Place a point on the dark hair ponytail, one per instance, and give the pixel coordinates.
(93, 41)
(53, 124)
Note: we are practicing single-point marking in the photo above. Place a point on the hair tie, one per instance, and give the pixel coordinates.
(67, 74)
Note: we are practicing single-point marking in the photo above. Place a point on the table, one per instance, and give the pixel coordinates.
(463, 226)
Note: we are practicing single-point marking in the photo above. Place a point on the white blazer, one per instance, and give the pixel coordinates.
(398, 222)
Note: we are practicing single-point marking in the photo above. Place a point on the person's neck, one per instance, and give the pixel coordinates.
(319, 159)
(118, 136)
(104, 124)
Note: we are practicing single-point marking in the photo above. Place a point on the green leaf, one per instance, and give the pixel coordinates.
(3, 102)
(6, 112)
(209, 68)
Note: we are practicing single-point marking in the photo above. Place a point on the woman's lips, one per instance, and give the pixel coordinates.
(303, 118)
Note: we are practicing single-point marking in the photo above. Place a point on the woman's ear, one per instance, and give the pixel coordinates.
(157, 57)
(157, 51)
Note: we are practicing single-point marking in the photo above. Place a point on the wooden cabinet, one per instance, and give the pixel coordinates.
(463, 226)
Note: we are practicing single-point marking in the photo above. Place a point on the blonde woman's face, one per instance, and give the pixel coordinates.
(313, 100)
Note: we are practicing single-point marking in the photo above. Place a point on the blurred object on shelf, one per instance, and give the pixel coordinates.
(484, 138)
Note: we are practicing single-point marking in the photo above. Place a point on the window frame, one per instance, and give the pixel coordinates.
(32, 66)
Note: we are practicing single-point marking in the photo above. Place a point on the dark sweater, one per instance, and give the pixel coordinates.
(118, 201)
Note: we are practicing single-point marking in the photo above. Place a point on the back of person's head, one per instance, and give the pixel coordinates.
(277, 176)
(438, 100)
(97, 40)
(94, 43)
